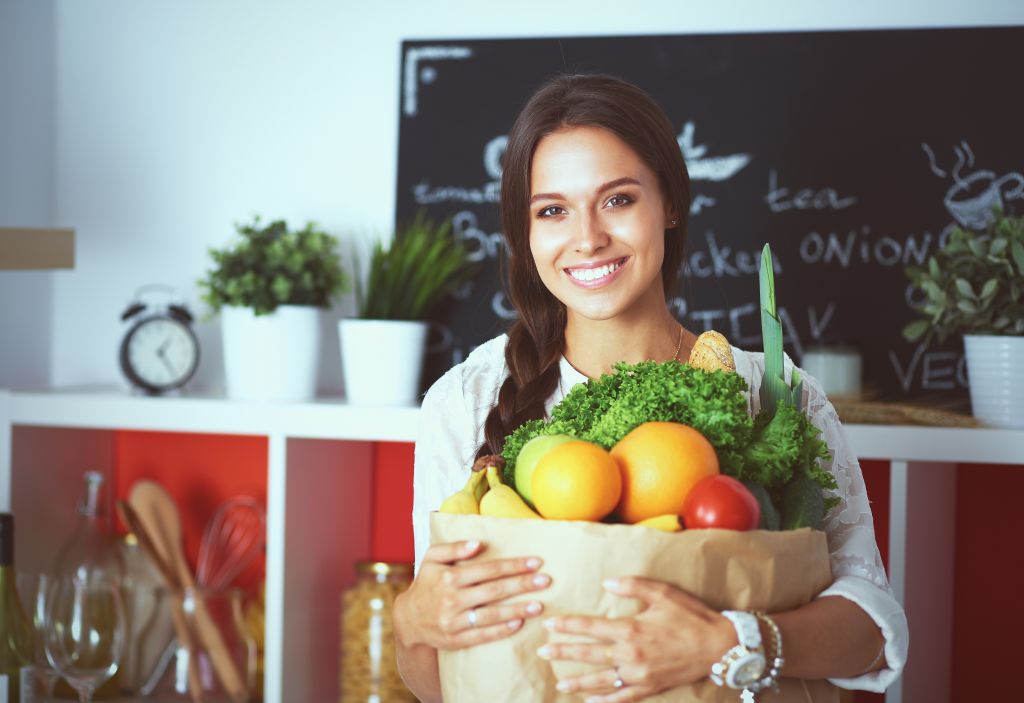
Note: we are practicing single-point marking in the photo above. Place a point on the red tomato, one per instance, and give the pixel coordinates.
(723, 502)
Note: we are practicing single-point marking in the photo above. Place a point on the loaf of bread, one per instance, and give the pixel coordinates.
(712, 352)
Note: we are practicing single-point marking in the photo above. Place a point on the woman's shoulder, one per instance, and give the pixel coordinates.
(478, 377)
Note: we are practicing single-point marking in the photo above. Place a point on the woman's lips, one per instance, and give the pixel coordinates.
(596, 276)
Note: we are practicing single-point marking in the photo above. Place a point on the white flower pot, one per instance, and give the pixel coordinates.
(995, 370)
(271, 357)
(381, 361)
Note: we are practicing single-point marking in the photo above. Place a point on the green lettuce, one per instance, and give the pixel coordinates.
(768, 449)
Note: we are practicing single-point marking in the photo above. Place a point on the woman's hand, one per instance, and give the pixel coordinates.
(672, 642)
(452, 605)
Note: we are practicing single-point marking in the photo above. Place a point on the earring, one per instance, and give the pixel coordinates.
(673, 222)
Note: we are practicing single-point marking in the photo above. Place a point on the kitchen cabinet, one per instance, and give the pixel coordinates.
(319, 470)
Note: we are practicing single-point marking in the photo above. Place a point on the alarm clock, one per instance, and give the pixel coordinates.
(160, 351)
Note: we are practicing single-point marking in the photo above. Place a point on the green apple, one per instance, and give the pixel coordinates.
(529, 455)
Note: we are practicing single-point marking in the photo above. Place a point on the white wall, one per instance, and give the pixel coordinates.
(26, 182)
(174, 119)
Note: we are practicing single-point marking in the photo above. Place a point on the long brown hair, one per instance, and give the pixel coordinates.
(537, 339)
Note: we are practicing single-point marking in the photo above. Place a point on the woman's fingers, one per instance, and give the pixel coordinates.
(616, 630)
(494, 615)
(603, 680)
(472, 574)
(451, 552)
(593, 653)
(494, 591)
(479, 635)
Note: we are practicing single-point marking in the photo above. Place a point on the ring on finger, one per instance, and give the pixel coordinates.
(618, 683)
(472, 617)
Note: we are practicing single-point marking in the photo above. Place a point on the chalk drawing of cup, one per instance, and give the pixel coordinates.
(971, 200)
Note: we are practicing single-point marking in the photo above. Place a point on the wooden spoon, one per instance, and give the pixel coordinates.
(139, 529)
(157, 511)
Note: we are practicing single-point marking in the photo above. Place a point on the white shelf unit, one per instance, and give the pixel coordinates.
(319, 499)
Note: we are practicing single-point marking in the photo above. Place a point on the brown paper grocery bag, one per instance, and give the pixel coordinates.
(772, 571)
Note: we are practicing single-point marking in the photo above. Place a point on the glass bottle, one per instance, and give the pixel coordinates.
(16, 632)
(91, 553)
(369, 666)
(150, 630)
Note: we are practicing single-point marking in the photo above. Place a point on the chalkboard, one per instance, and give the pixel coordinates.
(852, 153)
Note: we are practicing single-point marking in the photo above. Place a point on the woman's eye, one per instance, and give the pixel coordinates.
(549, 211)
(619, 200)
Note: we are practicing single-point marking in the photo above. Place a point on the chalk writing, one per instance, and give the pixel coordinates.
(708, 168)
(410, 86)
(857, 247)
(938, 370)
(972, 199)
(718, 261)
(481, 245)
(501, 307)
(805, 199)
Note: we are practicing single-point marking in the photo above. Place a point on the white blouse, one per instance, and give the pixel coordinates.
(451, 430)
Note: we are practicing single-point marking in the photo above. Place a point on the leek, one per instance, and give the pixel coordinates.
(774, 389)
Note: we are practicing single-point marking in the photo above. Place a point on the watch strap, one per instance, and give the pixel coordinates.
(748, 631)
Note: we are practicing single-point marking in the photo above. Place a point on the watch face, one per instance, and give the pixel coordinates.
(159, 353)
(746, 670)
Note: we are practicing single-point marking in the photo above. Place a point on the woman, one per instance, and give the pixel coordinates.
(595, 198)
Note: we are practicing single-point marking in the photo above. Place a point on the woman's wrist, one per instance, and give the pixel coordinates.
(723, 638)
(405, 631)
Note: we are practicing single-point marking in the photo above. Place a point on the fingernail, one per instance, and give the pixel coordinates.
(541, 580)
(513, 624)
(612, 584)
(544, 652)
(533, 608)
(472, 544)
(550, 623)
(533, 563)
(562, 686)
(592, 699)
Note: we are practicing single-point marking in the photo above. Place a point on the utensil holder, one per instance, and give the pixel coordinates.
(222, 610)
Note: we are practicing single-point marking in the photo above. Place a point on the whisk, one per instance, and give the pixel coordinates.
(234, 537)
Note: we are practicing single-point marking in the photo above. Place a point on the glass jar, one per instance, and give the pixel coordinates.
(369, 667)
(214, 617)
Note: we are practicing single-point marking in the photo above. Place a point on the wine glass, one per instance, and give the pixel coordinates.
(84, 632)
(33, 588)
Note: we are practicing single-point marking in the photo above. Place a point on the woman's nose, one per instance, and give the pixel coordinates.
(590, 236)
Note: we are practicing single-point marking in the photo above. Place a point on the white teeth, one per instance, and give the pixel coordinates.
(593, 274)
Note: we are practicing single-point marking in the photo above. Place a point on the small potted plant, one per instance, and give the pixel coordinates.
(974, 286)
(382, 350)
(270, 287)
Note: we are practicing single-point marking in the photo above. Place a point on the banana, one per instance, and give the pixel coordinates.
(666, 523)
(501, 500)
(711, 352)
(466, 501)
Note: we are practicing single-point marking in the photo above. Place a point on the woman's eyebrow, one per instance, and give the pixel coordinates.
(626, 180)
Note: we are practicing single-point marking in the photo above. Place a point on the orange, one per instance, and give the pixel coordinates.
(660, 463)
(576, 480)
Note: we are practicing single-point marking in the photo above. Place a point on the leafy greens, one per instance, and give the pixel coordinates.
(767, 449)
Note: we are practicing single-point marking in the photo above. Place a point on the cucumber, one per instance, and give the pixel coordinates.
(769, 515)
(803, 504)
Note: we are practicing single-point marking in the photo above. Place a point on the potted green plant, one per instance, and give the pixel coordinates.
(974, 286)
(269, 287)
(382, 349)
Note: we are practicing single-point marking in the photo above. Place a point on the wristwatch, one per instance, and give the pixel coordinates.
(742, 666)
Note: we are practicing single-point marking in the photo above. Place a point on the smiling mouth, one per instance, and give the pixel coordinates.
(596, 274)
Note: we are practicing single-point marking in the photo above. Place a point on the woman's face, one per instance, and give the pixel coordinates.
(597, 223)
